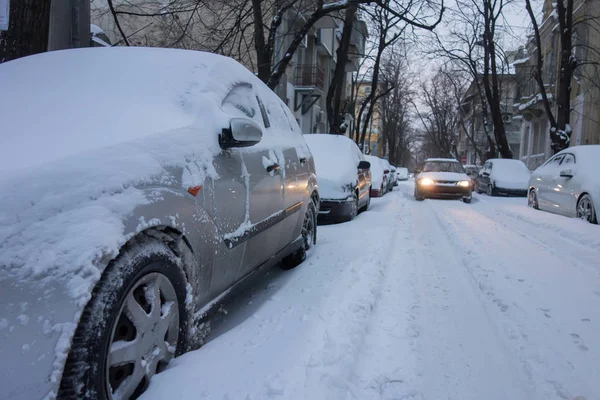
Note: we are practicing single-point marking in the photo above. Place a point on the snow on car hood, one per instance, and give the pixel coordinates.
(444, 176)
(78, 150)
(335, 164)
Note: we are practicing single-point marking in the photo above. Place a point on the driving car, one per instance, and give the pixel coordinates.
(443, 178)
(472, 171)
(503, 176)
(342, 175)
(402, 173)
(568, 184)
(379, 178)
(131, 206)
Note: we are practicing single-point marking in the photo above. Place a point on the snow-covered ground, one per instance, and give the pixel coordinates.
(414, 300)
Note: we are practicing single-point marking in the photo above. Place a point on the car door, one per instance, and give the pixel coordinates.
(293, 155)
(263, 177)
(563, 188)
(483, 180)
(545, 183)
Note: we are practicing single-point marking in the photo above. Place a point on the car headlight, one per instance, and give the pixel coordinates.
(426, 182)
(464, 183)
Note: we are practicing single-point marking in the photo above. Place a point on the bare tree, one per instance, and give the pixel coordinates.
(440, 118)
(28, 29)
(568, 67)
(471, 45)
(397, 131)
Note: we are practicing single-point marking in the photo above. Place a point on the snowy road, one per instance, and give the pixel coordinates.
(415, 300)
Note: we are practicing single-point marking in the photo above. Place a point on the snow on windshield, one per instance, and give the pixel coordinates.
(443, 166)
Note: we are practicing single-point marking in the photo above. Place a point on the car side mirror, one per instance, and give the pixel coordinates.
(485, 173)
(242, 132)
(364, 165)
(566, 173)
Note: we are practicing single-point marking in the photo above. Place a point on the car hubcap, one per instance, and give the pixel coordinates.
(585, 210)
(144, 336)
(308, 230)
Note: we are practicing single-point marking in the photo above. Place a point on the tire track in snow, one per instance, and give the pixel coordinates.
(536, 323)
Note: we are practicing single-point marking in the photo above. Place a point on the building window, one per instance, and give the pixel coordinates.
(539, 136)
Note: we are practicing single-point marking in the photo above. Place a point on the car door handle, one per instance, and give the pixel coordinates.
(273, 168)
(303, 160)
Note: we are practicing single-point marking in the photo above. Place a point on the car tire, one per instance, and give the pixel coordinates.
(381, 192)
(418, 197)
(586, 209)
(309, 239)
(467, 199)
(124, 301)
(491, 190)
(532, 200)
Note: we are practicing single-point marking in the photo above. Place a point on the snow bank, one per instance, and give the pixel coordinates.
(376, 170)
(336, 163)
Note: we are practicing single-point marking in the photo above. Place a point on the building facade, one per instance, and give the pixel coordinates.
(475, 131)
(373, 139)
(585, 93)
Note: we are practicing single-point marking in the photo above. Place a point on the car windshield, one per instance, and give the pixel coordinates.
(443, 166)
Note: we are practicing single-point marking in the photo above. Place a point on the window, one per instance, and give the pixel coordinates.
(241, 101)
(443, 166)
(555, 162)
(569, 160)
(539, 138)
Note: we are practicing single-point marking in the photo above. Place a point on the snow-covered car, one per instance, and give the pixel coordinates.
(443, 178)
(568, 183)
(342, 175)
(131, 204)
(503, 176)
(393, 175)
(389, 173)
(402, 173)
(379, 178)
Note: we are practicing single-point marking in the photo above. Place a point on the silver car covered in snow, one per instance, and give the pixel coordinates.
(568, 183)
(130, 204)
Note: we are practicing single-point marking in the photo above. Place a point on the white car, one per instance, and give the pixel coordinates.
(568, 183)
(443, 178)
(402, 173)
(379, 179)
(503, 176)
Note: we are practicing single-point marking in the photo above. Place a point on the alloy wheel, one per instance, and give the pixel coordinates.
(585, 209)
(532, 199)
(144, 336)
(309, 229)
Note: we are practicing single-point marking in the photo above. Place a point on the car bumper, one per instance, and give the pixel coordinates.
(334, 210)
(442, 191)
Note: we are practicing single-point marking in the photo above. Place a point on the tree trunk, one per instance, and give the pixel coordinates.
(263, 58)
(561, 137)
(334, 96)
(28, 29)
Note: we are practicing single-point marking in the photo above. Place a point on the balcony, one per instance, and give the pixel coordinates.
(309, 76)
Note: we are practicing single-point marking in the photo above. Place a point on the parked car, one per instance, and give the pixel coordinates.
(568, 183)
(393, 175)
(503, 176)
(130, 206)
(473, 172)
(402, 173)
(443, 178)
(342, 175)
(387, 170)
(379, 178)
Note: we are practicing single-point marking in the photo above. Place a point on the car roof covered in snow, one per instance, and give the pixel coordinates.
(588, 149)
(60, 103)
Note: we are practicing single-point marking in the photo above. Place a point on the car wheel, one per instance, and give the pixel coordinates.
(467, 199)
(491, 190)
(532, 200)
(418, 197)
(586, 210)
(309, 239)
(381, 191)
(134, 324)
(354, 210)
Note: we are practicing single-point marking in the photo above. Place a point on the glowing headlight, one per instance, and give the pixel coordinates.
(464, 183)
(426, 182)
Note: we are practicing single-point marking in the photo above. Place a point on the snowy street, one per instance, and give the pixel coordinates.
(414, 300)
